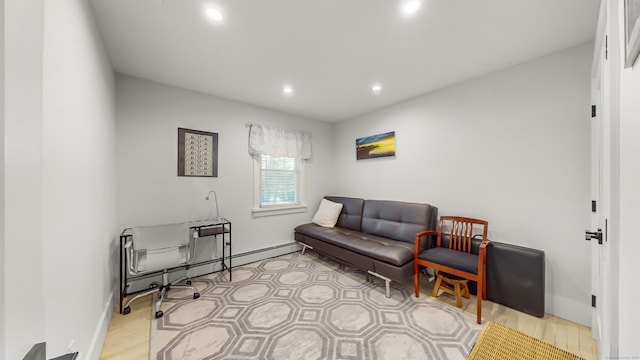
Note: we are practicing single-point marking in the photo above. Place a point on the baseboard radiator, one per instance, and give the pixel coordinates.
(216, 266)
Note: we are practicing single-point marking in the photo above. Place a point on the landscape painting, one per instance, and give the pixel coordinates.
(376, 146)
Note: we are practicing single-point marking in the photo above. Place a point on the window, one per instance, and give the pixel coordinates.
(279, 185)
(278, 171)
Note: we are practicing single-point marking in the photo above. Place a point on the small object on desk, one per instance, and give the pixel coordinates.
(217, 218)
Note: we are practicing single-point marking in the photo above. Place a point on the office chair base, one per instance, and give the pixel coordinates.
(161, 290)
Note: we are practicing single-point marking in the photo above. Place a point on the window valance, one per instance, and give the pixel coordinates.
(266, 140)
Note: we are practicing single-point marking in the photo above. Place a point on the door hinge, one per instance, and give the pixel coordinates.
(594, 206)
(593, 111)
(589, 235)
(606, 47)
(593, 301)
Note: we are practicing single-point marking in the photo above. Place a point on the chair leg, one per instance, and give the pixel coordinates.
(159, 312)
(479, 300)
(484, 289)
(465, 291)
(458, 295)
(416, 278)
(176, 284)
(196, 294)
(481, 294)
(127, 306)
(436, 287)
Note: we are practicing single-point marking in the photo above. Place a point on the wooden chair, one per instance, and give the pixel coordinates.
(453, 253)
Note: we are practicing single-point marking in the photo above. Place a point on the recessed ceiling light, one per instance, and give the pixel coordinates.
(287, 90)
(214, 14)
(411, 6)
(376, 88)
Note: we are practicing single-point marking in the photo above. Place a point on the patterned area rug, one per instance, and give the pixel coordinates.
(306, 307)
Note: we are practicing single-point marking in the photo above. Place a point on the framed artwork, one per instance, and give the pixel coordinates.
(197, 153)
(631, 31)
(376, 146)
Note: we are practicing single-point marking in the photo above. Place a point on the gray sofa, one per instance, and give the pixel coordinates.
(377, 236)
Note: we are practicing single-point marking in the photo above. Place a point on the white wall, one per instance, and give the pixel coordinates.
(23, 261)
(79, 180)
(149, 191)
(2, 237)
(511, 147)
(629, 246)
(59, 180)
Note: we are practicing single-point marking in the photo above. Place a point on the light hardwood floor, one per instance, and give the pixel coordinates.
(128, 336)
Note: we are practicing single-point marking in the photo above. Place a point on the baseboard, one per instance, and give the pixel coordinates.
(236, 260)
(569, 309)
(95, 348)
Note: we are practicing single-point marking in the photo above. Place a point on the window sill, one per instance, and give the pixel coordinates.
(270, 211)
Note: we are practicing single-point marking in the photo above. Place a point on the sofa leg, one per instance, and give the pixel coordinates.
(304, 247)
(387, 288)
(387, 282)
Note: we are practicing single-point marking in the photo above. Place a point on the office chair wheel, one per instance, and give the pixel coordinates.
(126, 310)
(196, 295)
(159, 314)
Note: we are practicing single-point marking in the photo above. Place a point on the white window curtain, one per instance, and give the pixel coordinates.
(266, 140)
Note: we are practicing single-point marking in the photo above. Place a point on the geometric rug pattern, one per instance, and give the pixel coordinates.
(306, 307)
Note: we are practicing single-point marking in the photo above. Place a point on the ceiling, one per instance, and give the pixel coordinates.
(331, 52)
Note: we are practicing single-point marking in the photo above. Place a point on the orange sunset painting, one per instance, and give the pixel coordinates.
(376, 146)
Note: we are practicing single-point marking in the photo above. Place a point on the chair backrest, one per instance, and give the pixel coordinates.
(160, 236)
(460, 232)
(159, 247)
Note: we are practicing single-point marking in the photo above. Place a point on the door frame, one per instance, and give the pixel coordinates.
(601, 184)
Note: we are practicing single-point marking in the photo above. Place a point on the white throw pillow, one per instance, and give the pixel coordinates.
(327, 214)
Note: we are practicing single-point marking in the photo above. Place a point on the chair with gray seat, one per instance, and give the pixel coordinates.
(460, 251)
(155, 249)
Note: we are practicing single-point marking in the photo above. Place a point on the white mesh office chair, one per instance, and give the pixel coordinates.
(159, 248)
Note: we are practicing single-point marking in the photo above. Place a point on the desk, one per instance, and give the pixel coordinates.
(219, 229)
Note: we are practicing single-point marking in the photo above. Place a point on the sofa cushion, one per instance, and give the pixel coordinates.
(452, 258)
(327, 213)
(387, 250)
(397, 220)
(351, 215)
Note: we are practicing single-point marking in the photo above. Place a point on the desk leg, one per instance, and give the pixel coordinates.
(122, 270)
(230, 252)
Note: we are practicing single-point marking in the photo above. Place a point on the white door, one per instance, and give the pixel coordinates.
(596, 132)
(601, 191)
